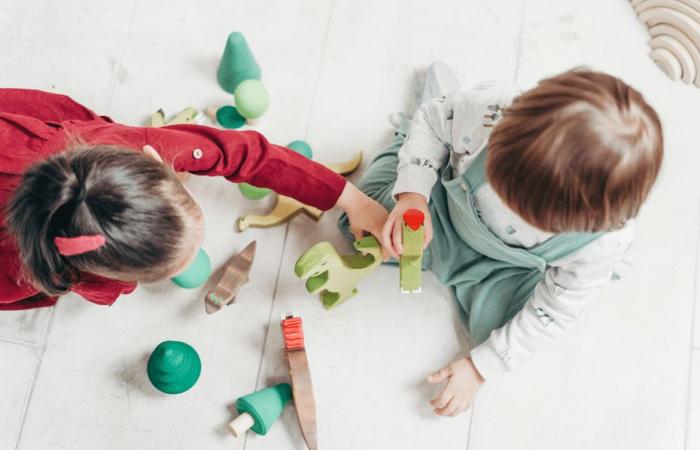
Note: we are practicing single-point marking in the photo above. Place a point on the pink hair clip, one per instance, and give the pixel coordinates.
(69, 246)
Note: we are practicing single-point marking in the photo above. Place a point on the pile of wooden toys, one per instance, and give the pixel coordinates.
(174, 367)
(335, 277)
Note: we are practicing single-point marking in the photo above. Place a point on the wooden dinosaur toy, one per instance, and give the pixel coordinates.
(286, 207)
(336, 276)
(187, 115)
(410, 262)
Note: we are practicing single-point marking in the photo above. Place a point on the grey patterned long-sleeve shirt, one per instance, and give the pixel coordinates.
(455, 129)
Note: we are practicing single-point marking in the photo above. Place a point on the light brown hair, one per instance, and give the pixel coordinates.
(579, 152)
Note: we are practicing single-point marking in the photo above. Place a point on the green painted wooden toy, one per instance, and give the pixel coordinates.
(301, 147)
(253, 192)
(237, 64)
(259, 410)
(252, 99)
(228, 117)
(174, 367)
(336, 276)
(412, 257)
(196, 274)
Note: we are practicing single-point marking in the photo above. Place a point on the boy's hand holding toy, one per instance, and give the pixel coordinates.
(391, 237)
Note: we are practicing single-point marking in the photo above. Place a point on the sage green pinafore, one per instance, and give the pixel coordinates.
(490, 279)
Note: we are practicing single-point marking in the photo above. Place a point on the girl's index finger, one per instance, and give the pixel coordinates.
(386, 238)
(398, 237)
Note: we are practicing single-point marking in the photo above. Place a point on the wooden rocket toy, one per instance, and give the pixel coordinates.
(412, 256)
(235, 275)
(302, 388)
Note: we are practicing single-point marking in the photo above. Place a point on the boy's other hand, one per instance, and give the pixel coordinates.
(392, 234)
(463, 380)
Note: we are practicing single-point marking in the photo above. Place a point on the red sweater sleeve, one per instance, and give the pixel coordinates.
(246, 156)
(44, 106)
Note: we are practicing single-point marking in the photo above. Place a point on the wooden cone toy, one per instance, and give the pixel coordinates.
(237, 64)
(259, 410)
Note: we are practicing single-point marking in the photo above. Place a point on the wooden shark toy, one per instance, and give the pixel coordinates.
(235, 275)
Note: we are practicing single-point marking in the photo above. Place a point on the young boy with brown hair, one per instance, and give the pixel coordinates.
(529, 202)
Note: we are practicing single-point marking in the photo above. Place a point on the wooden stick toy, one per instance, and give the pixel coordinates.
(287, 208)
(302, 388)
(336, 276)
(235, 275)
(259, 410)
(410, 261)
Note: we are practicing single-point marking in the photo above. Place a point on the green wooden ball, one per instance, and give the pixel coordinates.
(228, 117)
(253, 192)
(301, 147)
(196, 274)
(252, 99)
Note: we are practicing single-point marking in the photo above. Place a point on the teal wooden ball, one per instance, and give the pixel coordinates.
(229, 117)
(301, 147)
(252, 99)
(253, 192)
(196, 274)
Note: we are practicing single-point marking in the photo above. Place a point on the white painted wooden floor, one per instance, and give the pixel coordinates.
(73, 377)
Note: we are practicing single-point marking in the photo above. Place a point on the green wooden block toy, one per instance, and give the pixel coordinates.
(252, 99)
(173, 367)
(411, 259)
(196, 274)
(259, 410)
(301, 147)
(237, 64)
(336, 276)
(253, 192)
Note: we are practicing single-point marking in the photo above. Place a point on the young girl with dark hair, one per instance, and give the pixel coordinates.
(87, 205)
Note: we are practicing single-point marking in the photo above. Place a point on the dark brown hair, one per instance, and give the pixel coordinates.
(134, 201)
(579, 152)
